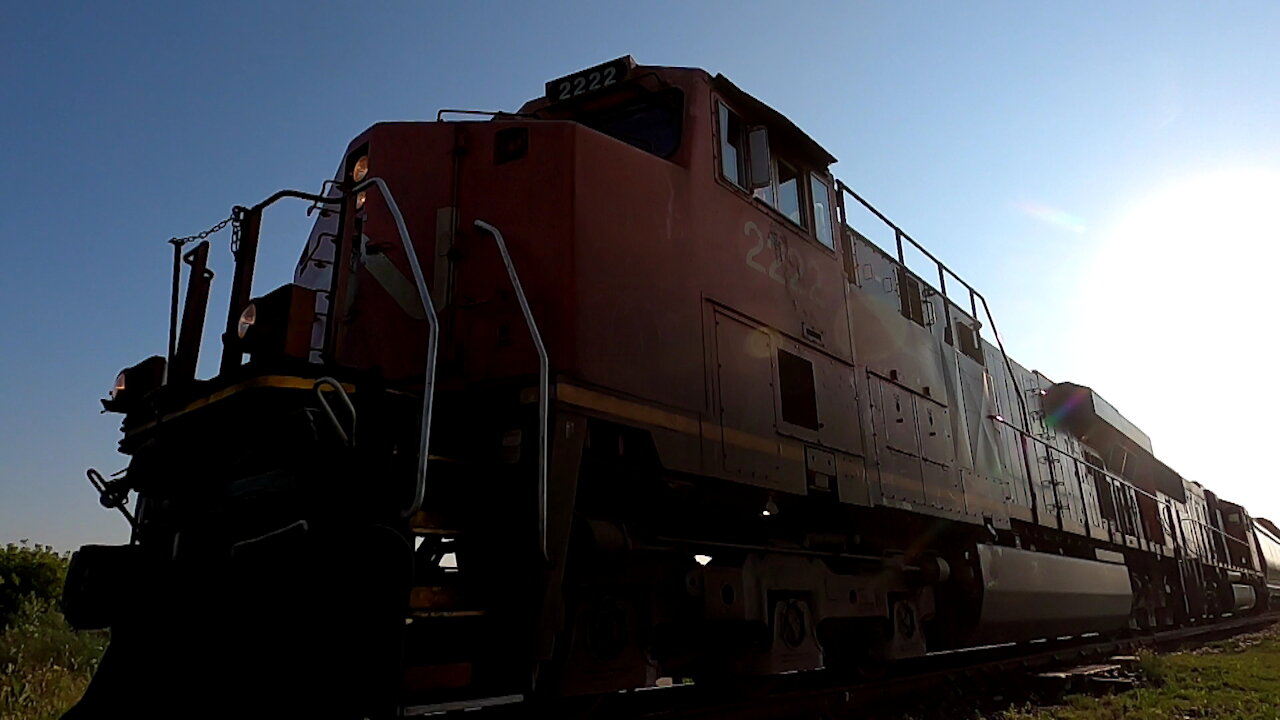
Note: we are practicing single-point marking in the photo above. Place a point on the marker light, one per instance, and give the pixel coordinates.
(359, 199)
(702, 559)
(247, 318)
(770, 508)
(119, 386)
(360, 170)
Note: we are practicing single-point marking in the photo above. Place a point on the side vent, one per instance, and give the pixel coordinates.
(969, 344)
(510, 144)
(812, 334)
(796, 388)
(910, 297)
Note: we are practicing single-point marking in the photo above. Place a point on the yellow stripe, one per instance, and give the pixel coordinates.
(687, 424)
(790, 450)
(646, 414)
(751, 441)
(572, 394)
(275, 381)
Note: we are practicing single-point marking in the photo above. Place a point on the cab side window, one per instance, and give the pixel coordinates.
(798, 195)
(821, 211)
(788, 181)
(732, 146)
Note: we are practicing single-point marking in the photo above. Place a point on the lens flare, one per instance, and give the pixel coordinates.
(1053, 216)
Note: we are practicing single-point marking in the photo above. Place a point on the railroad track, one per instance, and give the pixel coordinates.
(826, 696)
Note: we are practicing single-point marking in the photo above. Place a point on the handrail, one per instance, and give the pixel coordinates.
(112, 494)
(244, 248)
(1113, 478)
(487, 113)
(318, 387)
(313, 198)
(1210, 527)
(943, 271)
(974, 296)
(544, 382)
(433, 338)
(241, 288)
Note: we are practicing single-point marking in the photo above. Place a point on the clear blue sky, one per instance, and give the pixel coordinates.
(1065, 157)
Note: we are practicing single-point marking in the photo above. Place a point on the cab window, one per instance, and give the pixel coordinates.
(800, 196)
(765, 194)
(731, 147)
(821, 211)
(788, 181)
(652, 123)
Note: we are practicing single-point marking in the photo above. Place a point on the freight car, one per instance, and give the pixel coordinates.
(612, 388)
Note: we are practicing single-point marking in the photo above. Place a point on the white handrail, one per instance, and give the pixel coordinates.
(318, 387)
(544, 382)
(433, 338)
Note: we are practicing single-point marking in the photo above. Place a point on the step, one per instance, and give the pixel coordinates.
(425, 523)
(462, 705)
(428, 614)
(434, 597)
(446, 676)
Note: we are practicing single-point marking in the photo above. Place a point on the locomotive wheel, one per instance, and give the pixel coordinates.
(602, 649)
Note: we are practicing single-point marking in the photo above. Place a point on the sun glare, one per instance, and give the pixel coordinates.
(1175, 322)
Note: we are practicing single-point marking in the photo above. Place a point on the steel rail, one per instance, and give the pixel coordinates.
(851, 699)
(827, 694)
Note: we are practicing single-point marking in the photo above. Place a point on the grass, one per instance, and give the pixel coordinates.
(44, 664)
(1236, 679)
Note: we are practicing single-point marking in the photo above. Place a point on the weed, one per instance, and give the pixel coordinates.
(1232, 680)
(44, 664)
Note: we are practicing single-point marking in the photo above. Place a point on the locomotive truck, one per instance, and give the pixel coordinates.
(610, 388)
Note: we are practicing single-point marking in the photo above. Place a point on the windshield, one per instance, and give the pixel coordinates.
(313, 269)
(652, 123)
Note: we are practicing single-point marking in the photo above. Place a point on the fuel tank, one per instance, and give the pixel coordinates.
(1245, 597)
(1269, 544)
(1029, 595)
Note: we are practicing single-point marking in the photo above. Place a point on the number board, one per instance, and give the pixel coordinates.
(593, 79)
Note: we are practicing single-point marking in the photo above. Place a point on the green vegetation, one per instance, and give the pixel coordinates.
(28, 572)
(44, 664)
(1237, 679)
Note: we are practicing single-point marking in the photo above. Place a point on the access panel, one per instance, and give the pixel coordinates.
(745, 380)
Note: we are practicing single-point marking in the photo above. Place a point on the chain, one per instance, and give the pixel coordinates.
(180, 241)
(236, 213)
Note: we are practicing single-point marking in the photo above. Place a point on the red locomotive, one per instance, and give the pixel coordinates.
(605, 390)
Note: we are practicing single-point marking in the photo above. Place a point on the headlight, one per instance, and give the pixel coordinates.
(360, 170)
(247, 318)
(134, 383)
(278, 325)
